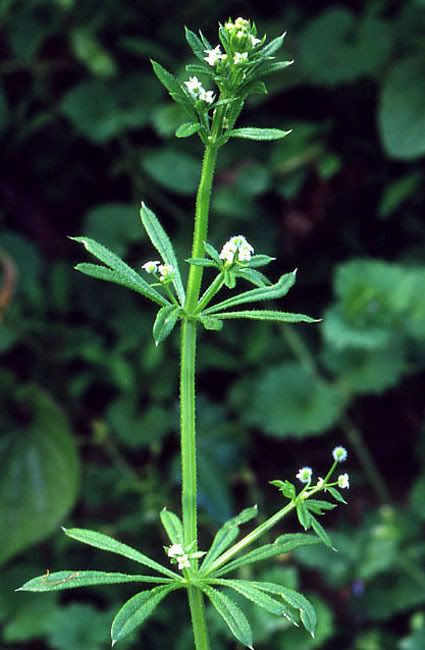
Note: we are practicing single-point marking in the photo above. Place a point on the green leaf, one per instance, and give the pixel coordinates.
(174, 170)
(277, 290)
(304, 517)
(201, 261)
(282, 545)
(172, 525)
(318, 506)
(163, 245)
(108, 275)
(136, 610)
(273, 46)
(88, 49)
(213, 253)
(176, 91)
(336, 495)
(402, 113)
(195, 44)
(321, 532)
(165, 322)
(254, 133)
(106, 543)
(187, 129)
(288, 400)
(269, 67)
(267, 314)
(296, 600)
(260, 260)
(252, 276)
(251, 592)
(211, 323)
(286, 487)
(40, 473)
(72, 579)
(232, 615)
(122, 270)
(226, 535)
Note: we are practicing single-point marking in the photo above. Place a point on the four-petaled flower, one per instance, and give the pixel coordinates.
(194, 86)
(304, 474)
(166, 272)
(339, 454)
(213, 56)
(240, 57)
(207, 96)
(343, 481)
(151, 266)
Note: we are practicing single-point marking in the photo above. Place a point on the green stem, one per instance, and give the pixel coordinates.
(252, 536)
(187, 391)
(209, 294)
(197, 614)
(201, 226)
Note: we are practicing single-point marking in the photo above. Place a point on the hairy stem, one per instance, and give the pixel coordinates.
(187, 391)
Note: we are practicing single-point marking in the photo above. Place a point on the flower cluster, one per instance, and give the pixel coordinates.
(164, 272)
(238, 39)
(198, 92)
(339, 455)
(178, 555)
(236, 249)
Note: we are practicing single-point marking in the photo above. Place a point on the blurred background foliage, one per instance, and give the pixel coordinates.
(89, 409)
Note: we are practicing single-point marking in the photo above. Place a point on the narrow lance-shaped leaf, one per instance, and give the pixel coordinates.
(172, 525)
(106, 543)
(283, 544)
(253, 276)
(136, 610)
(108, 275)
(304, 517)
(273, 46)
(165, 322)
(232, 614)
(269, 315)
(174, 88)
(255, 133)
(321, 532)
(277, 290)
(60, 580)
(187, 129)
(251, 592)
(122, 269)
(195, 44)
(226, 535)
(260, 260)
(163, 245)
(294, 599)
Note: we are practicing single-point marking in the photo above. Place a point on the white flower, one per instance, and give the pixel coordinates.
(213, 56)
(207, 96)
(240, 34)
(254, 40)
(194, 86)
(151, 266)
(175, 550)
(343, 481)
(183, 562)
(240, 57)
(237, 248)
(304, 474)
(320, 482)
(166, 272)
(242, 23)
(339, 454)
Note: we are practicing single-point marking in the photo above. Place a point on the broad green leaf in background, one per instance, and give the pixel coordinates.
(90, 51)
(115, 224)
(40, 475)
(177, 171)
(163, 245)
(402, 110)
(136, 610)
(78, 626)
(290, 401)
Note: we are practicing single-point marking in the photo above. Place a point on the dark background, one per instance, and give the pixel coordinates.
(89, 410)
